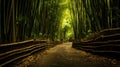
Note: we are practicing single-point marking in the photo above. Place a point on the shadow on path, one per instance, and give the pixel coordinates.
(64, 55)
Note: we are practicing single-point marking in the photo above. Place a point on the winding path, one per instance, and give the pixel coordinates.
(64, 55)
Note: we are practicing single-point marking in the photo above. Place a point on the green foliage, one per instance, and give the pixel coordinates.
(90, 16)
(55, 19)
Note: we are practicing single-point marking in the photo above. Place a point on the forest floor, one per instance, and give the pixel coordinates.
(63, 55)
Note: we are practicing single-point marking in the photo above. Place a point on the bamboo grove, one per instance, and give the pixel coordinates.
(90, 16)
(26, 19)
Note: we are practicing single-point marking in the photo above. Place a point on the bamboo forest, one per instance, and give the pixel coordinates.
(59, 33)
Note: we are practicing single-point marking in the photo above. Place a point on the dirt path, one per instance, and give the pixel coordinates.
(64, 55)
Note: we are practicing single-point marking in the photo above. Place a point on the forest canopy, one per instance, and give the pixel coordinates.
(56, 20)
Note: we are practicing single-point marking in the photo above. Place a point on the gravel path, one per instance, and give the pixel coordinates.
(64, 55)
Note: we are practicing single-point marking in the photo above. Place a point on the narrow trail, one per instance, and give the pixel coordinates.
(64, 55)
